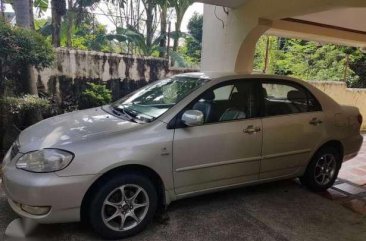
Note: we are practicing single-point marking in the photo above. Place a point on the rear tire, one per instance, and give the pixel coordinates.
(123, 206)
(323, 169)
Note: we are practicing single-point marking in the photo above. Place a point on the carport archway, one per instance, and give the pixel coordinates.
(230, 35)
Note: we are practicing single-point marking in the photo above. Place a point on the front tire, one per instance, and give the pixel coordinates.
(322, 170)
(123, 206)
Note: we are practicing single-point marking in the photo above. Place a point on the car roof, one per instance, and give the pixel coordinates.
(233, 75)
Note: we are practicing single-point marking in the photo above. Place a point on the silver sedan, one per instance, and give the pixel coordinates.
(115, 166)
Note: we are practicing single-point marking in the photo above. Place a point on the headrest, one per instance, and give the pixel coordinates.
(264, 91)
(209, 96)
(295, 95)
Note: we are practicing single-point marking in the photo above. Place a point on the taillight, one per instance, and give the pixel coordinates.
(360, 119)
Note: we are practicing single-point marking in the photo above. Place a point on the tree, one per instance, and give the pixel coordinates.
(2, 9)
(90, 35)
(72, 9)
(70, 20)
(58, 10)
(150, 8)
(87, 35)
(23, 11)
(21, 8)
(164, 4)
(311, 60)
(76, 9)
(193, 42)
(180, 7)
(130, 35)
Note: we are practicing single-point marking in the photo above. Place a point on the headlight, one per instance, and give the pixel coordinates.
(46, 160)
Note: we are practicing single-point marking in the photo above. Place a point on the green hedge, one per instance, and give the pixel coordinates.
(17, 113)
(19, 105)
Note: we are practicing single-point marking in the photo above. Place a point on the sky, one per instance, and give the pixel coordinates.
(196, 7)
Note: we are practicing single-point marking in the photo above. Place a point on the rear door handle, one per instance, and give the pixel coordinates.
(252, 129)
(315, 122)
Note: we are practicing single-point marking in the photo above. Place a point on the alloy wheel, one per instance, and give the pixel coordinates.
(125, 207)
(325, 169)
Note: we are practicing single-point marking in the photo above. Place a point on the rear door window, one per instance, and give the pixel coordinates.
(284, 98)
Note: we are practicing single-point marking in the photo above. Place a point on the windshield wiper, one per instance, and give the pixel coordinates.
(150, 117)
(118, 111)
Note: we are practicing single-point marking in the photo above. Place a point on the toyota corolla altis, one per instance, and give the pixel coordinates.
(116, 165)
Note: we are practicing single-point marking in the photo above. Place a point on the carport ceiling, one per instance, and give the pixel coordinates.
(352, 19)
(348, 19)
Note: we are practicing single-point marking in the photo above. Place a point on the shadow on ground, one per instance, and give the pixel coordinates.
(278, 211)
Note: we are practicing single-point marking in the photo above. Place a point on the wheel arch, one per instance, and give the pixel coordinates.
(134, 168)
(333, 143)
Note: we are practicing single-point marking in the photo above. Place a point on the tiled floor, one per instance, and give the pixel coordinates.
(355, 170)
(350, 188)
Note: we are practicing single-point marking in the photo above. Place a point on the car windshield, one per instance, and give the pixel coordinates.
(150, 102)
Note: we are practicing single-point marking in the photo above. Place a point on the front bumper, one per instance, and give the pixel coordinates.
(63, 194)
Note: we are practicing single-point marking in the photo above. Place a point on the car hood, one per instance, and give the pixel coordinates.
(72, 127)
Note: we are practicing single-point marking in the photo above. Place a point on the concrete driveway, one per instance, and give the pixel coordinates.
(278, 211)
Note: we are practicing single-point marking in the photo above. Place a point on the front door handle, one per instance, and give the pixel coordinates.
(315, 121)
(252, 129)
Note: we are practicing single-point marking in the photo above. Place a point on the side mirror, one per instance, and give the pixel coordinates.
(193, 118)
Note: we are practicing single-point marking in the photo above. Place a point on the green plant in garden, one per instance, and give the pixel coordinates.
(95, 95)
(310, 60)
(191, 50)
(20, 47)
(20, 105)
(17, 113)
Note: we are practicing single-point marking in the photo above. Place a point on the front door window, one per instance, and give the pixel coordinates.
(236, 100)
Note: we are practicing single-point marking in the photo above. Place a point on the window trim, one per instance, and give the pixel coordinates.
(288, 83)
(176, 123)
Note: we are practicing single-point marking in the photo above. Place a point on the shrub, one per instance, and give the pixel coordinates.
(95, 95)
(20, 46)
(18, 105)
(17, 113)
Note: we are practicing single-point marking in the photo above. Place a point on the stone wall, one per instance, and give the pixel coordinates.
(344, 96)
(122, 74)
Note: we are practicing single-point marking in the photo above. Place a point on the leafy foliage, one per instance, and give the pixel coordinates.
(310, 60)
(130, 35)
(95, 95)
(17, 113)
(26, 103)
(21, 46)
(195, 27)
(41, 5)
(191, 50)
(85, 36)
